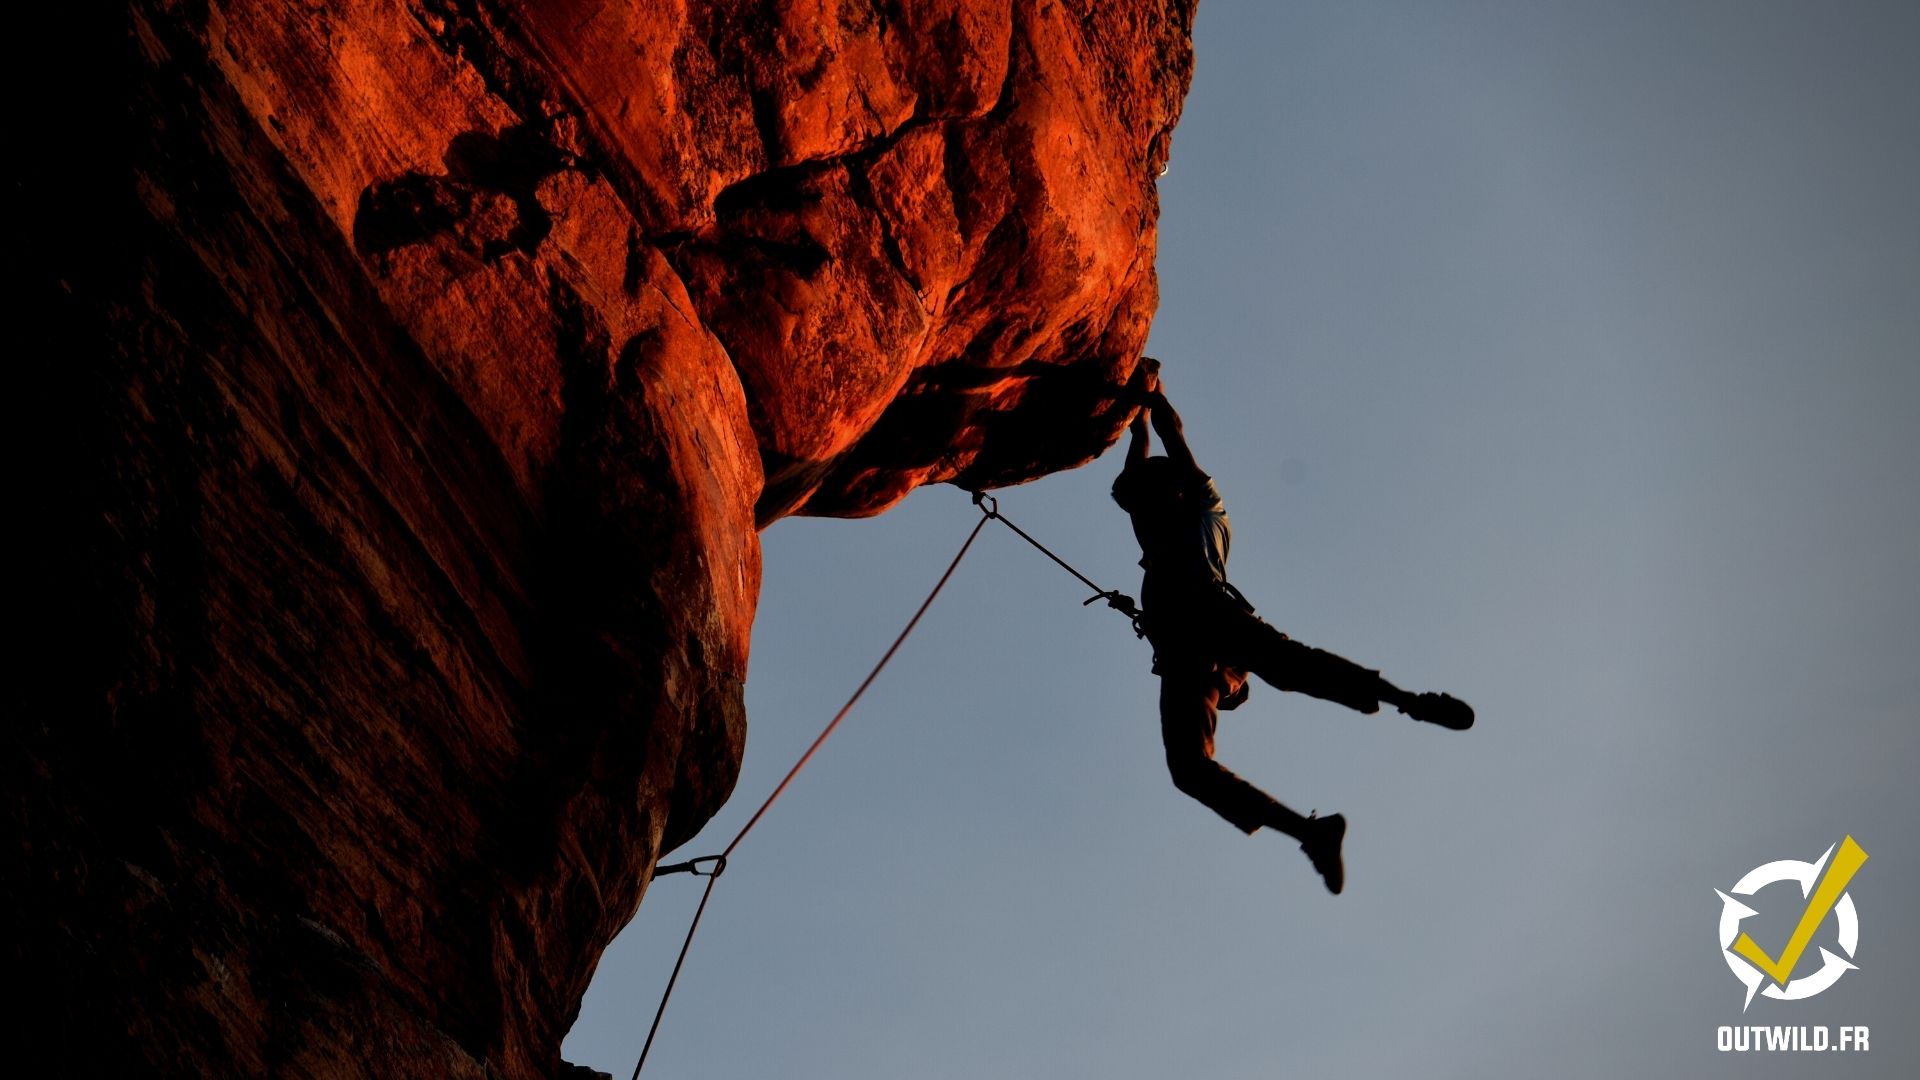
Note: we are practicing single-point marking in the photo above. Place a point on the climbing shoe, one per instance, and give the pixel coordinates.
(1322, 845)
(1443, 709)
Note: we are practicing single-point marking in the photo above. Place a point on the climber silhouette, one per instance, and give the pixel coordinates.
(1206, 637)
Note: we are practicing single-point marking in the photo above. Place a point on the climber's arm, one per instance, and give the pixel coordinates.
(1140, 390)
(1139, 442)
(1167, 422)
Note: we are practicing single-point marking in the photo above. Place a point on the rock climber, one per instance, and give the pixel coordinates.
(1206, 637)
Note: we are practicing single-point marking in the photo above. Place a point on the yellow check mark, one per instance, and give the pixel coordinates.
(1846, 862)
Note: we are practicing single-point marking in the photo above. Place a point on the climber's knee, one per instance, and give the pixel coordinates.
(1193, 773)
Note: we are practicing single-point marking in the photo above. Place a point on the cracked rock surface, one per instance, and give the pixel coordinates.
(407, 382)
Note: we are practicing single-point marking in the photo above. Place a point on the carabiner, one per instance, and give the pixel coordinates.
(692, 866)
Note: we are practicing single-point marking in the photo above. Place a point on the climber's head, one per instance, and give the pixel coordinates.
(1150, 485)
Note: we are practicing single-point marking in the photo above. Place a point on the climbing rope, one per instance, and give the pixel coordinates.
(717, 864)
(1115, 599)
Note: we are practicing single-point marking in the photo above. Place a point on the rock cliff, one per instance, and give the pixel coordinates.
(406, 382)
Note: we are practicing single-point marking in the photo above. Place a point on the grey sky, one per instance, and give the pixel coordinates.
(1565, 356)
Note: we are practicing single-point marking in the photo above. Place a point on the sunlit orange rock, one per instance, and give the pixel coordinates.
(405, 384)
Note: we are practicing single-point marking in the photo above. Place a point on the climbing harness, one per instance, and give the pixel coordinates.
(712, 866)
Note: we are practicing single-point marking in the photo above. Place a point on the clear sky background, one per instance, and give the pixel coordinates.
(1564, 356)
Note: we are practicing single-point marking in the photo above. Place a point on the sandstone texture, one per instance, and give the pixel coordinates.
(406, 382)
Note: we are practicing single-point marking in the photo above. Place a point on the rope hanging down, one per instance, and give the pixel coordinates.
(715, 865)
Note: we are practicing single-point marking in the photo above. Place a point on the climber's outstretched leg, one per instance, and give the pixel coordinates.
(1189, 703)
(1249, 642)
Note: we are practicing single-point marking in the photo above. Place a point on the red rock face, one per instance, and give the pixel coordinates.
(406, 383)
